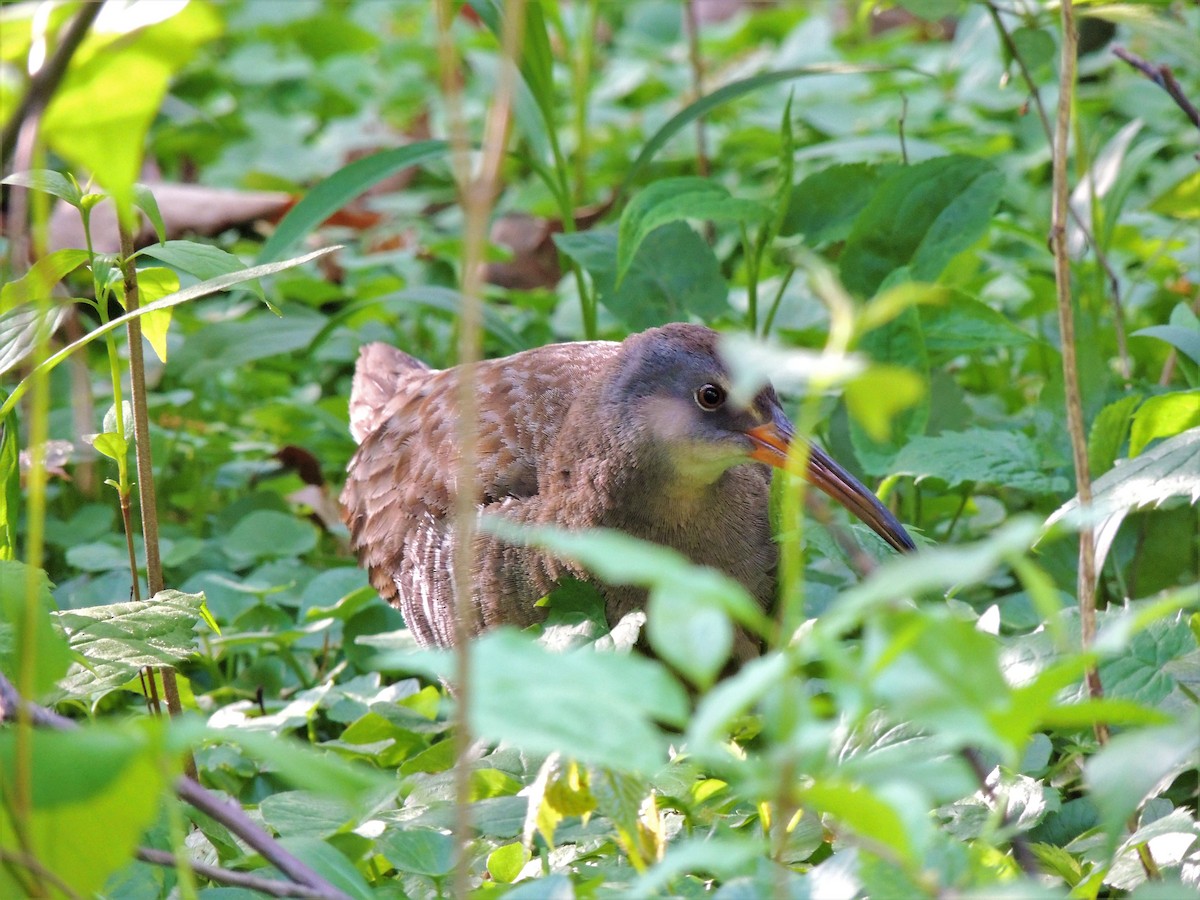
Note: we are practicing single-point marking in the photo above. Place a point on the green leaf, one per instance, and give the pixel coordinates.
(1166, 470)
(419, 851)
(36, 284)
(204, 261)
(1185, 340)
(505, 863)
(26, 631)
(99, 115)
(49, 182)
(154, 284)
(932, 10)
(673, 277)
(546, 702)
(863, 811)
(1108, 433)
(1181, 200)
(1122, 775)
(879, 394)
(824, 205)
(726, 94)
(1006, 459)
(144, 200)
(963, 325)
(328, 862)
(203, 289)
(119, 639)
(1165, 415)
(919, 218)
(94, 791)
(305, 813)
(693, 636)
(334, 192)
(672, 200)
(269, 534)
(23, 328)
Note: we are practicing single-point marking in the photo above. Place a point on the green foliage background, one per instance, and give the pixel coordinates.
(873, 200)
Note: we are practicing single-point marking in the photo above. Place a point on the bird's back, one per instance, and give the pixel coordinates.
(400, 487)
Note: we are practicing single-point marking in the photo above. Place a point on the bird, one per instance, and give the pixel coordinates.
(642, 435)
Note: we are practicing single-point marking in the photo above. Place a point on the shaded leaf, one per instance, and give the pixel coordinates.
(1006, 459)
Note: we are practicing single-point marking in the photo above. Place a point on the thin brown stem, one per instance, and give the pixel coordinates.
(1066, 322)
(477, 195)
(1165, 79)
(692, 26)
(218, 875)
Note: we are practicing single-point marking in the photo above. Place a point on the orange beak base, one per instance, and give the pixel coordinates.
(771, 443)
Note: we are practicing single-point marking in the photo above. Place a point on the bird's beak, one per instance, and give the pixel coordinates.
(771, 443)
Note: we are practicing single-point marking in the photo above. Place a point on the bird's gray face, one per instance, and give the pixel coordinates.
(673, 400)
(676, 406)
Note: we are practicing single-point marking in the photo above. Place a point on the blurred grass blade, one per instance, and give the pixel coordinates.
(330, 195)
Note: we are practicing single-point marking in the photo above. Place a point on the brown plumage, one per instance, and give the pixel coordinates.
(639, 436)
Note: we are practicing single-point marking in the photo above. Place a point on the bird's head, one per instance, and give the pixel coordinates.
(672, 394)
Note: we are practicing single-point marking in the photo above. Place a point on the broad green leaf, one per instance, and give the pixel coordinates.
(963, 325)
(331, 194)
(920, 217)
(932, 10)
(94, 790)
(26, 630)
(100, 113)
(224, 346)
(1120, 776)
(1006, 459)
(304, 813)
(419, 851)
(1108, 433)
(1168, 469)
(694, 636)
(1035, 46)
(863, 811)
(154, 284)
(267, 534)
(111, 444)
(672, 200)
(673, 277)
(824, 205)
(36, 284)
(305, 767)
(331, 864)
(191, 293)
(117, 640)
(1165, 415)
(1185, 340)
(546, 702)
(505, 863)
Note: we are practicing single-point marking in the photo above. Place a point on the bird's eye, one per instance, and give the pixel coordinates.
(710, 396)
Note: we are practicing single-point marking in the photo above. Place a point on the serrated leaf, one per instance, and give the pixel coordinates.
(963, 325)
(118, 639)
(1165, 415)
(672, 200)
(1166, 470)
(1006, 459)
(546, 702)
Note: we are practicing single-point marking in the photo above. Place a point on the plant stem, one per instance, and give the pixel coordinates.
(1066, 324)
